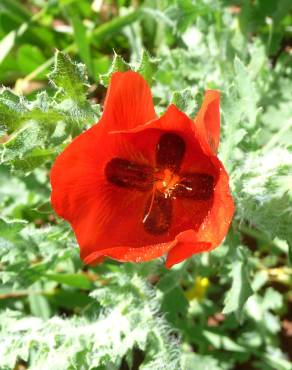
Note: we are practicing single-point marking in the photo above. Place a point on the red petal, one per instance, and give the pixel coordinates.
(183, 251)
(74, 175)
(128, 254)
(173, 120)
(208, 121)
(216, 225)
(185, 248)
(128, 102)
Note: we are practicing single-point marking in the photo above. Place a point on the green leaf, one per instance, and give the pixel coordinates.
(9, 229)
(39, 126)
(74, 280)
(39, 305)
(246, 90)
(263, 190)
(114, 26)
(70, 78)
(34, 159)
(30, 136)
(240, 289)
(70, 299)
(223, 342)
(277, 360)
(273, 300)
(29, 58)
(15, 10)
(233, 133)
(71, 81)
(6, 44)
(185, 101)
(131, 294)
(94, 342)
(28, 253)
(175, 305)
(80, 38)
(290, 253)
(192, 361)
(12, 109)
(118, 65)
(148, 67)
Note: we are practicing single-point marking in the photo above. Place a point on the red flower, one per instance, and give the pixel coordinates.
(135, 186)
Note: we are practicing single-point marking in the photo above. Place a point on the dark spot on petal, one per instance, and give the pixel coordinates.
(158, 214)
(127, 174)
(170, 151)
(196, 186)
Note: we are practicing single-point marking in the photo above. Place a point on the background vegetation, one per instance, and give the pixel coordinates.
(230, 309)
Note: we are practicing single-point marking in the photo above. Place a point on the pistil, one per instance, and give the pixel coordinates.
(166, 181)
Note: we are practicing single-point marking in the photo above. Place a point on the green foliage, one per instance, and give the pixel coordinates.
(240, 290)
(267, 196)
(147, 67)
(38, 128)
(118, 64)
(223, 310)
(94, 342)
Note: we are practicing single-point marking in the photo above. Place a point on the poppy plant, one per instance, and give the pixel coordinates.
(136, 186)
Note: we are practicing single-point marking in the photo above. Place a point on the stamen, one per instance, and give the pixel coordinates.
(150, 208)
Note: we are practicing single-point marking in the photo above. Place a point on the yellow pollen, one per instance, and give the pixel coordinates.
(166, 182)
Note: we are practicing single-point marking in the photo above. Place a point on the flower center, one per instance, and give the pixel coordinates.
(163, 184)
(166, 181)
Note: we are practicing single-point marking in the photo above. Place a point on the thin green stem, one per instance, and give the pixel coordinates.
(115, 25)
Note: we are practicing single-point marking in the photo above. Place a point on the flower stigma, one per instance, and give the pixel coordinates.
(166, 181)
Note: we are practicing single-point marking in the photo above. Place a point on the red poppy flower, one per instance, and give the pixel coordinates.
(136, 186)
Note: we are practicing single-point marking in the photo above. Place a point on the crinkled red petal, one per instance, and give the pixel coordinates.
(207, 122)
(183, 250)
(128, 254)
(128, 102)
